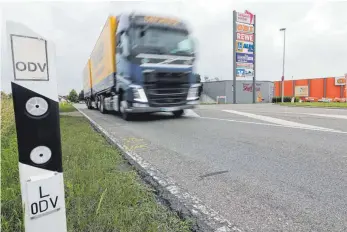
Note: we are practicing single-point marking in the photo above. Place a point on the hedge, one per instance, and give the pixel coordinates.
(285, 99)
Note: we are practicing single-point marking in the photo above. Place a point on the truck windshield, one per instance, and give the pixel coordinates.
(167, 41)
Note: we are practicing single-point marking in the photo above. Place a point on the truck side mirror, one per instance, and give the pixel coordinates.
(125, 45)
(193, 42)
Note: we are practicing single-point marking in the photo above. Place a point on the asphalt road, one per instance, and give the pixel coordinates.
(263, 167)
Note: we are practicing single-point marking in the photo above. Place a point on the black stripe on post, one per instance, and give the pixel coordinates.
(34, 131)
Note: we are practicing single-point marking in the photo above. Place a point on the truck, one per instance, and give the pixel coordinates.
(142, 64)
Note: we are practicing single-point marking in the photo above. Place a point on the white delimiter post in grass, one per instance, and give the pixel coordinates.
(36, 108)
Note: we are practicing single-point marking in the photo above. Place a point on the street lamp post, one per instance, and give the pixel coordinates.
(284, 52)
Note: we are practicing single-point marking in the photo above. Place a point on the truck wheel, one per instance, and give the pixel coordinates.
(97, 102)
(102, 105)
(122, 106)
(178, 113)
(89, 104)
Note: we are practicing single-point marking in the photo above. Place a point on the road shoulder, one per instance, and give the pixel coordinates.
(177, 198)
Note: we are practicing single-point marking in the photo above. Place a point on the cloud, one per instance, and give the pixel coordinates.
(315, 36)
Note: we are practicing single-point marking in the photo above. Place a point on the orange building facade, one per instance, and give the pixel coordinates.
(315, 89)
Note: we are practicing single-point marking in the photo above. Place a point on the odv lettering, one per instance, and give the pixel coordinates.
(44, 203)
(30, 66)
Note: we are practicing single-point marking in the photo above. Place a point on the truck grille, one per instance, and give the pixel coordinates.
(166, 89)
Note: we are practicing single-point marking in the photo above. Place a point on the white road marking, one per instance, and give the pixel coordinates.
(279, 121)
(274, 125)
(329, 115)
(191, 113)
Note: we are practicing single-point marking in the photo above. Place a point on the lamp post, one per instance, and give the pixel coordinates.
(284, 52)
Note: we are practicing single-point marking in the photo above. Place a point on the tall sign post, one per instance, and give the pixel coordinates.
(284, 54)
(244, 50)
(36, 108)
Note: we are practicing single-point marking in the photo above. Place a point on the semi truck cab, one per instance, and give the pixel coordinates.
(155, 65)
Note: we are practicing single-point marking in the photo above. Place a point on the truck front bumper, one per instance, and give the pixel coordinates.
(144, 108)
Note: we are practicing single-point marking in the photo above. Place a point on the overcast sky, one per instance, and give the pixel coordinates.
(315, 39)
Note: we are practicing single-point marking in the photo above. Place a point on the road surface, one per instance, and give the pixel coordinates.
(263, 167)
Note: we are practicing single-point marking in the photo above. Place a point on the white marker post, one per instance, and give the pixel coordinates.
(36, 107)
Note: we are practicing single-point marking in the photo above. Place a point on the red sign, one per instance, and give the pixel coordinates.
(245, 37)
(246, 17)
(249, 87)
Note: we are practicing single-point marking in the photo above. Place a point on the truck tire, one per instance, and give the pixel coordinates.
(102, 105)
(89, 104)
(97, 102)
(122, 106)
(178, 113)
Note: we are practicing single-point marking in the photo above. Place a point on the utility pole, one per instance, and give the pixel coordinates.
(284, 52)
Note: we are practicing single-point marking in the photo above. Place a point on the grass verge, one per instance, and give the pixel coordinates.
(66, 107)
(101, 195)
(316, 104)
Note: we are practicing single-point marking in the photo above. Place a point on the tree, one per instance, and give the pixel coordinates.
(81, 96)
(207, 79)
(72, 97)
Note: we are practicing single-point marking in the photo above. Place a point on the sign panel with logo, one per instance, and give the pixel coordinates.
(244, 37)
(301, 91)
(240, 72)
(340, 81)
(244, 65)
(244, 58)
(244, 28)
(249, 72)
(246, 17)
(244, 47)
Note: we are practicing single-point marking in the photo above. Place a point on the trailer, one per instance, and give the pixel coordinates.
(87, 85)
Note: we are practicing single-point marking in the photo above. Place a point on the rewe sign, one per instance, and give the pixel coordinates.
(29, 58)
(245, 37)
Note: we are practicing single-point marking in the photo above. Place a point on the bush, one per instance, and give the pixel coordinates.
(285, 99)
(73, 97)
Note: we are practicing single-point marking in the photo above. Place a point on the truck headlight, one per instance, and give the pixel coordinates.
(193, 92)
(139, 93)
